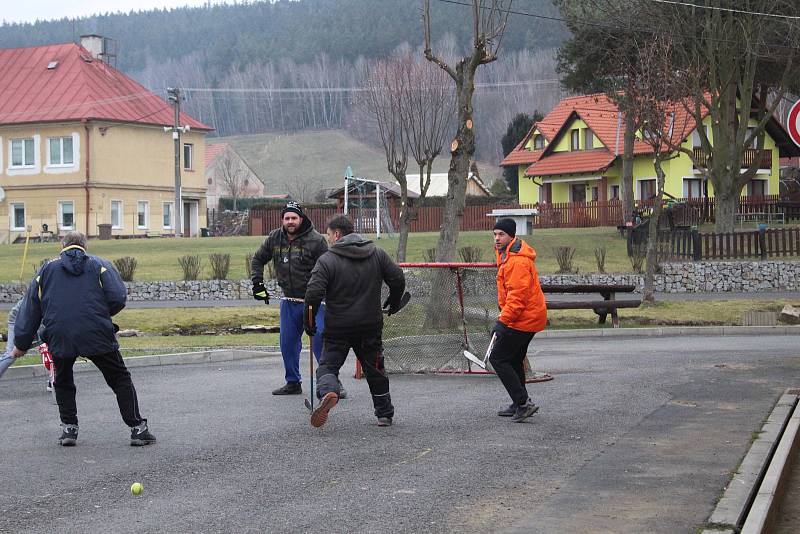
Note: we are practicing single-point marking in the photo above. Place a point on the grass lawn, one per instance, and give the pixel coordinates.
(158, 258)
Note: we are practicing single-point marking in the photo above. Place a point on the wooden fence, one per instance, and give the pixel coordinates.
(688, 245)
(685, 211)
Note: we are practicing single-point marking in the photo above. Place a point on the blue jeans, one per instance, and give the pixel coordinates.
(291, 337)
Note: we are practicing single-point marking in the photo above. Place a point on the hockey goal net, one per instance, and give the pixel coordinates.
(453, 308)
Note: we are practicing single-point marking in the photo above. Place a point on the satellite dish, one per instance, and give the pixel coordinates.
(2, 194)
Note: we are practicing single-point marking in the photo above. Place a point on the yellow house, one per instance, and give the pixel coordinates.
(575, 155)
(82, 145)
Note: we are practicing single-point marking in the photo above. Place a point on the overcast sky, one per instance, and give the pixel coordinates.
(30, 10)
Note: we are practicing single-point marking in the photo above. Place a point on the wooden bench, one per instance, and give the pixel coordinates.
(603, 308)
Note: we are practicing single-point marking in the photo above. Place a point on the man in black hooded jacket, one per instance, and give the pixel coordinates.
(74, 297)
(349, 277)
(293, 250)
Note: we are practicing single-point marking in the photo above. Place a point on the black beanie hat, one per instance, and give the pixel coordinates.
(293, 207)
(506, 225)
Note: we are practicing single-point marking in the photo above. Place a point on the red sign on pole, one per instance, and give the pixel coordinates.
(794, 123)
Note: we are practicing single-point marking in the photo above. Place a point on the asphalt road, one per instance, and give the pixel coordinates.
(633, 435)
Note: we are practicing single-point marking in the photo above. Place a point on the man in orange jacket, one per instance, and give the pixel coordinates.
(523, 312)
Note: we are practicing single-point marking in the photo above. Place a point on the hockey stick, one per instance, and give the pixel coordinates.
(309, 402)
(403, 301)
(477, 361)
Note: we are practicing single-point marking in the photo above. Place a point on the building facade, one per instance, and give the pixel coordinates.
(575, 155)
(83, 145)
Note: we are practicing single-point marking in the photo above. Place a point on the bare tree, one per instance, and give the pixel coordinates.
(654, 102)
(429, 106)
(384, 82)
(232, 175)
(489, 18)
(735, 67)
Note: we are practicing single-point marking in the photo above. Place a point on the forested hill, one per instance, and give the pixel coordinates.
(298, 30)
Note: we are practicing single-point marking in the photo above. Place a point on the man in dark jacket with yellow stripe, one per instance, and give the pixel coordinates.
(74, 297)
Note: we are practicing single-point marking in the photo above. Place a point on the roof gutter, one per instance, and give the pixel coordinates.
(87, 174)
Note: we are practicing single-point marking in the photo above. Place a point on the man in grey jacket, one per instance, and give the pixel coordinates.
(349, 277)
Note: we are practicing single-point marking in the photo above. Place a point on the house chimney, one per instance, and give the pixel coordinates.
(94, 45)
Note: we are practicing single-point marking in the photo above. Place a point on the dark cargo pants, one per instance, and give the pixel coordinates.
(508, 360)
(368, 347)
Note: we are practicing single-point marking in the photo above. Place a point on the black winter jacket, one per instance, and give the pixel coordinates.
(74, 298)
(293, 260)
(349, 277)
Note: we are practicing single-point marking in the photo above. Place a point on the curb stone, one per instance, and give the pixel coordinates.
(749, 496)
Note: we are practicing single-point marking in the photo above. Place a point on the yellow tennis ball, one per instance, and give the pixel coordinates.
(136, 488)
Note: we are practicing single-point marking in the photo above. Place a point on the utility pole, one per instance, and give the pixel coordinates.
(174, 94)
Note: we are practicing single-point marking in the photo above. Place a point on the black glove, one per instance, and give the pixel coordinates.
(309, 328)
(393, 307)
(498, 328)
(116, 327)
(260, 292)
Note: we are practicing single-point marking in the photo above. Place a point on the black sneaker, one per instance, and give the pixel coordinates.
(69, 435)
(291, 388)
(508, 411)
(140, 435)
(524, 411)
(384, 421)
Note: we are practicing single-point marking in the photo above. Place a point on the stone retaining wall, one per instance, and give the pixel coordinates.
(693, 277)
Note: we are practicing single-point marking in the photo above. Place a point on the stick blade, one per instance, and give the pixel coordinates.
(474, 359)
(308, 405)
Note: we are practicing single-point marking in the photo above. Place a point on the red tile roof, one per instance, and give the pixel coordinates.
(521, 156)
(596, 160)
(213, 150)
(78, 87)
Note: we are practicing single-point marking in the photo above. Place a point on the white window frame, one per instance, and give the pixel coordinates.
(61, 225)
(60, 140)
(588, 139)
(188, 163)
(611, 190)
(749, 186)
(120, 214)
(639, 187)
(12, 212)
(574, 140)
(538, 142)
(687, 192)
(146, 214)
(24, 165)
(171, 225)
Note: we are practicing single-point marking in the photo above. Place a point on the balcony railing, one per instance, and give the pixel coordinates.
(750, 155)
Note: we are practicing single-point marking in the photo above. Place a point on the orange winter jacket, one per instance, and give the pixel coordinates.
(519, 295)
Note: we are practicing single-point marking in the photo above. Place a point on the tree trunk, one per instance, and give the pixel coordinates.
(626, 182)
(725, 205)
(439, 312)
(461, 152)
(651, 259)
(405, 225)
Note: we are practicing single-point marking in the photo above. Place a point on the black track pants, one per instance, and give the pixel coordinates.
(508, 360)
(369, 351)
(117, 377)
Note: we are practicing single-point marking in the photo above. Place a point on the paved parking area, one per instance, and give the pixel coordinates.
(634, 435)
